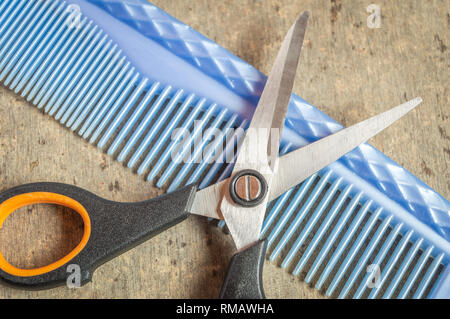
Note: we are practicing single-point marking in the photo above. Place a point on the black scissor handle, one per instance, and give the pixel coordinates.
(244, 276)
(110, 228)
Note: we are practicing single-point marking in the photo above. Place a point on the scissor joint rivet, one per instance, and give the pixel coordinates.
(248, 188)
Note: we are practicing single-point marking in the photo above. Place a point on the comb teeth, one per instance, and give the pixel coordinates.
(329, 236)
(82, 79)
(326, 230)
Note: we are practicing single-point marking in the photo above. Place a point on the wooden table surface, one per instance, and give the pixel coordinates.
(346, 69)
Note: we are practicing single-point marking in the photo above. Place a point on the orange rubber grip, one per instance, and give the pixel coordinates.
(10, 205)
(110, 228)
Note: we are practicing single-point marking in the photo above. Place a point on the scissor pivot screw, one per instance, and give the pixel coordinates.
(248, 188)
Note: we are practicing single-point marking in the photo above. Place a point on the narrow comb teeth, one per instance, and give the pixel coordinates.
(352, 252)
(25, 43)
(379, 258)
(305, 209)
(174, 141)
(107, 98)
(225, 153)
(137, 114)
(326, 229)
(415, 273)
(346, 239)
(198, 151)
(364, 258)
(432, 270)
(311, 222)
(96, 88)
(333, 236)
(184, 149)
(123, 111)
(298, 197)
(213, 152)
(321, 231)
(390, 265)
(400, 272)
(159, 143)
(84, 85)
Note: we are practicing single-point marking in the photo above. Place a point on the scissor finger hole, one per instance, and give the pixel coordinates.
(20, 208)
(37, 235)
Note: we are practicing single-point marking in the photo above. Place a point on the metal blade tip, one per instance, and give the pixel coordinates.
(417, 100)
(411, 104)
(303, 17)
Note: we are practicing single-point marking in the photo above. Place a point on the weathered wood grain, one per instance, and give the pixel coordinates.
(346, 69)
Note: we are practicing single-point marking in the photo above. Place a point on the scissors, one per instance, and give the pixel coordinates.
(259, 176)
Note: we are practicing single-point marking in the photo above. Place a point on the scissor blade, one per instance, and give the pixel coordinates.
(207, 201)
(274, 101)
(270, 113)
(298, 165)
(286, 67)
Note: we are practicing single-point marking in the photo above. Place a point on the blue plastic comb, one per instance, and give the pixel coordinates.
(117, 75)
